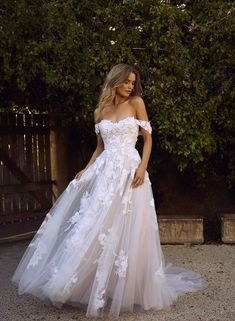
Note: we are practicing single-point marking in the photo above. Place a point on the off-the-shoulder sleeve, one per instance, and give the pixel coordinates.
(97, 130)
(145, 124)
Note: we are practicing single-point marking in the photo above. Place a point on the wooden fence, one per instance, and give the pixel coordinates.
(25, 172)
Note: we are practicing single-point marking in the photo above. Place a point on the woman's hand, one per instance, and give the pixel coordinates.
(139, 177)
(79, 174)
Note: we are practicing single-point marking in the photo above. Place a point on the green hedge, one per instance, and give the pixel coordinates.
(55, 55)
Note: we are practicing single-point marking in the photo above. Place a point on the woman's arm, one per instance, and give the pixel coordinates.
(141, 114)
(99, 149)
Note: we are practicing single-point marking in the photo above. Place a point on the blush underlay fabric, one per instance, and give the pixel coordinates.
(98, 248)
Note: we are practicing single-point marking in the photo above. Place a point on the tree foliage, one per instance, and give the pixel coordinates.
(55, 55)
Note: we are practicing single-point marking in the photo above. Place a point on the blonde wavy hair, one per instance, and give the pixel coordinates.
(117, 76)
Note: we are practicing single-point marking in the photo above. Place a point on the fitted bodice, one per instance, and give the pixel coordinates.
(121, 134)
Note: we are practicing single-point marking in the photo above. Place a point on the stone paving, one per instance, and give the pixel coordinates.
(215, 303)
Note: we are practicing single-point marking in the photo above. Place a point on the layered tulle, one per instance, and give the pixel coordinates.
(98, 247)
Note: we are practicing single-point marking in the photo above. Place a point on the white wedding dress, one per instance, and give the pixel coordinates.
(98, 247)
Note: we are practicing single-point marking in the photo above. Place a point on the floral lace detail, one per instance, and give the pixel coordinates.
(145, 124)
(126, 201)
(123, 178)
(106, 199)
(127, 125)
(97, 131)
(37, 255)
(99, 300)
(101, 275)
(69, 285)
(121, 262)
(42, 227)
(40, 247)
(160, 271)
(102, 238)
(107, 255)
(76, 182)
(151, 203)
(82, 224)
(102, 272)
(54, 272)
(85, 201)
(98, 165)
(107, 180)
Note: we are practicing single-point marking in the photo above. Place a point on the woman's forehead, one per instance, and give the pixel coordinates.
(131, 76)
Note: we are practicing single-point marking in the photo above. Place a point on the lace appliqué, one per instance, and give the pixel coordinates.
(151, 203)
(99, 300)
(126, 122)
(121, 262)
(160, 272)
(98, 165)
(54, 272)
(69, 285)
(39, 252)
(127, 202)
(97, 130)
(85, 201)
(76, 182)
(43, 225)
(102, 237)
(145, 124)
(40, 247)
(123, 179)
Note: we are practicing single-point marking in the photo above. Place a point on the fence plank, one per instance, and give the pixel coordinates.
(25, 173)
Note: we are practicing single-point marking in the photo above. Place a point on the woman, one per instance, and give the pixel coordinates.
(98, 247)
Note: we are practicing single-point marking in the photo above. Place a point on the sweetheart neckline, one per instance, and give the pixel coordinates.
(137, 122)
(116, 122)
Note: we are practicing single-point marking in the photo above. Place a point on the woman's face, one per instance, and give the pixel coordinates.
(125, 89)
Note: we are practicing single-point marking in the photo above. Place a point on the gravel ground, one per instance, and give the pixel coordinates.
(215, 303)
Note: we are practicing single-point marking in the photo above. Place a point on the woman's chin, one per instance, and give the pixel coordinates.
(124, 95)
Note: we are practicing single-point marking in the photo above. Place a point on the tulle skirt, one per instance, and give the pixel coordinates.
(98, 248)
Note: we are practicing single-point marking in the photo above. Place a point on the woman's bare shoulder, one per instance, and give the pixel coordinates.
(137, 102)
(136, 98)
(96, 115)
